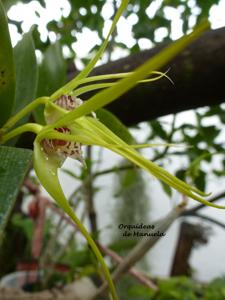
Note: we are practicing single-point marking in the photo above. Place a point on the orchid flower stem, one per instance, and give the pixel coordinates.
(85, 72)
(46, 168)
(95, 250)
(29, 127)
(27, 109)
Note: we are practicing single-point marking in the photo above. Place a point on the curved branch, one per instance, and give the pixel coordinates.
(193, 210)
(209, 219)
(198, 74)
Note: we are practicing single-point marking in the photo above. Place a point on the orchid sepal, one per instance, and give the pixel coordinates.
(46, 168)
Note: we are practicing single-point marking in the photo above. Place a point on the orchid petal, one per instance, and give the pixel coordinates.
(90, 131)
(97, 86)
(46, 168)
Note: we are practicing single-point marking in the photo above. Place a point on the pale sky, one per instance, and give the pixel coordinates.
(28, 14)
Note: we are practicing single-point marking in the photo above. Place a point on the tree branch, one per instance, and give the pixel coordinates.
(198, 74)
(142, 247)
(209, 219)
(193, 210)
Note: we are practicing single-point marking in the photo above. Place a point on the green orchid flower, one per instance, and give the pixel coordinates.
(72, 123)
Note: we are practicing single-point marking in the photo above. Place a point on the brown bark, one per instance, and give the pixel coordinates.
(198, 74)
(189, 236)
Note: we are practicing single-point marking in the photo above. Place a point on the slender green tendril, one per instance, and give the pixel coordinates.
(23, 112)
(28, 127)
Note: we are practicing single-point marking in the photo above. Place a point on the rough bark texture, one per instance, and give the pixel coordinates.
(198, 74)
(190, 235)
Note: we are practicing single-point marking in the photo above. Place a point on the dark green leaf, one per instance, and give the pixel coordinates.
(7, 70)
(177, 288)
(224, 163)
(8, 3)
(158, 130)
(200, 180)
(122, 245)
(205, 6)
(215, 289)
(140, 292)
(23, 224)
(52, 75)
(113, 123)
(214, 110)
(181, 174)
(26, 71)
(166, 188)
(219, 172)
(221, 115)
(129, 178)
(52, 72)
(209, 133)
(14, 164)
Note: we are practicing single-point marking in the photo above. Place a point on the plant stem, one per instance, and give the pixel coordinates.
(169, 140)
(209, 219)
(114, 169)
(32, 127)
(96, 251)
(111, 43)
(132, 271)
(136, 274)
(13, 120)
(193, 210)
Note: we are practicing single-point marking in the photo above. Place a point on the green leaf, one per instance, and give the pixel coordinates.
(167, 189)
(8, 3)
(116, 126)
(215, 289)
(52, 75)
(14, 164)
(181, 174)
(158, 130)
(177, 288)
(194, 167)
(7, 70)
(200, 180)
(209, 133)
(140, 292)
(52, 72)
(24, 224)
(26, 72)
